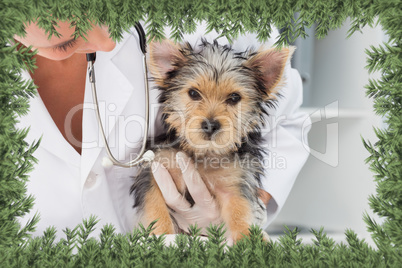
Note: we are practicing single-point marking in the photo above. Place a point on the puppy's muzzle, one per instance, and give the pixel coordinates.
(210, 127)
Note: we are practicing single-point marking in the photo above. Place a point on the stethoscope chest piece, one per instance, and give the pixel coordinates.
(148, 156)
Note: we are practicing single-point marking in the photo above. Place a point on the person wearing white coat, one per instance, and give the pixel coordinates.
(69, 187)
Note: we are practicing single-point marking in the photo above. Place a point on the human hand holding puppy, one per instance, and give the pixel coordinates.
(205, 211)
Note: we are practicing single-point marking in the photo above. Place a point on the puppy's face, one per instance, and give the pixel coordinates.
(213, 97)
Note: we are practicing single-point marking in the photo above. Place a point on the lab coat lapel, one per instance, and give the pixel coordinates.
(41, 125)
(115, 74)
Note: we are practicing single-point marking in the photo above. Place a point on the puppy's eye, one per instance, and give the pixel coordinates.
(194, 95)
(233, 99)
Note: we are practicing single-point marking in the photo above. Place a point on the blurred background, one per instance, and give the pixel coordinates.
(332, 189)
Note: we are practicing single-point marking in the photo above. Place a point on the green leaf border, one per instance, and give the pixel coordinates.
(230, 18)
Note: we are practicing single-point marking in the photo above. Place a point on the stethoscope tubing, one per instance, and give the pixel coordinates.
(142, 156)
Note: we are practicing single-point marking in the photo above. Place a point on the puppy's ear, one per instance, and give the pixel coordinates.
(270, 65)
(165, 56)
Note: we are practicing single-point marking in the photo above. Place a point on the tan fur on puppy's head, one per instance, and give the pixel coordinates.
(214, 98)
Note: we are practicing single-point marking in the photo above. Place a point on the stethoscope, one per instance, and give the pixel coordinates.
(142, 156)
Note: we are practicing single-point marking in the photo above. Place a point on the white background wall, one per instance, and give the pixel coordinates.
(332, 189)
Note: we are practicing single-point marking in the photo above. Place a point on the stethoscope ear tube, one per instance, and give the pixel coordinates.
(142, 36)
(91, 57)
(147, 156)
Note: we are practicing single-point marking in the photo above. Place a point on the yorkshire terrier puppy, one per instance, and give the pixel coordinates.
(214, 101)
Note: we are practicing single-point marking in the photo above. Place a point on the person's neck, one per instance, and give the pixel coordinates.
(68, 63)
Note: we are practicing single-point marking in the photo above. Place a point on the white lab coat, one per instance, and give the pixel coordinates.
(69, 187)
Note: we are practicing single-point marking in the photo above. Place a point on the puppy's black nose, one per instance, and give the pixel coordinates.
(210, 126)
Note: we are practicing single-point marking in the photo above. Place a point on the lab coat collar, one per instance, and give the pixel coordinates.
(116, 73)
